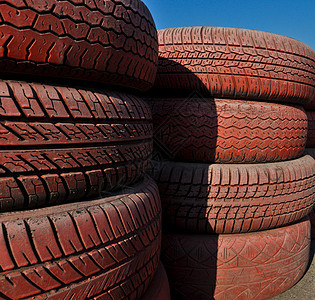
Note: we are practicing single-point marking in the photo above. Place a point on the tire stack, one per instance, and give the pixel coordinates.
(236, 188)
(79, 218)
(310, 150)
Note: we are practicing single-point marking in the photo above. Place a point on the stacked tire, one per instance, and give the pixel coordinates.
(310, 150)
(79, 217)
(230, 133)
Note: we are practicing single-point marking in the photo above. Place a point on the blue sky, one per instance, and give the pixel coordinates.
(292, 18)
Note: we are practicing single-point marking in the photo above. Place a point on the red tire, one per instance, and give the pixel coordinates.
(228, 131)
(231, 198)
(236, 63)
(107, 247)
(62, 144)
(311, 129)
(113, 42)
(312, 218)
(256, 265)
(159, 288)
(311, 152)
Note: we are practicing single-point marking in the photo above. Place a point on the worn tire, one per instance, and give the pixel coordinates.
(113, 42)
(231, 198)
(312, 219)
(62, 144)
(311, 152)
(108, 246)
(311, 129)
(256, 265)
(236, 63)
(228, 131)
(159, 288)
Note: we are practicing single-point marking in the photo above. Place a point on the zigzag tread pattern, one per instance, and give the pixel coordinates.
(236, 63)
(257, 265)
(311, 129)
(228, 131)
(109, 41)
(62, 144)
(231, 198)
(108, 246)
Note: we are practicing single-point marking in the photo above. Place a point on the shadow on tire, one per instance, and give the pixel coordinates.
(174, 141)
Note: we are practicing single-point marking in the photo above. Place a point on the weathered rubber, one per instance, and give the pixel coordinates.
(112, 41)
(311, 129)
(228, 131)
(62, 144)
(236, 63)
(311, 152)
(249, 266)
(312, 219)
(159, 288)
(231, 198)
(103, 248)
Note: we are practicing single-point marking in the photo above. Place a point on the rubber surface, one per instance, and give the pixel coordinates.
(311, 152)
(237, 266)
(228, 131)
(113, 42)
(311, 129)
(312, 218)
(62, 144)
(159, 288)
(232, 198)
(104, 248)
(236, 63)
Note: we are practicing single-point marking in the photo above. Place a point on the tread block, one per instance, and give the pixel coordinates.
(80, 40)
(60, 141)
(266, 195)
(228, 62)
(63, 254)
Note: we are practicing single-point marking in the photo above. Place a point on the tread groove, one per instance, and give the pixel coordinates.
(252, 66)
(265, 197)
(77, 133)
(127, 31)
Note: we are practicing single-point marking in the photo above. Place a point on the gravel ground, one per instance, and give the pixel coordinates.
(305, 288)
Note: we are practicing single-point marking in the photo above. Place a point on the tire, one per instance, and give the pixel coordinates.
(108, 246)
(312, 218)
(235, 198)
(159, 288)
(236, 63)
(228, 131)
(112, 42)
(311, 152)
(256, 265)
(311, 129)
(62, 144)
